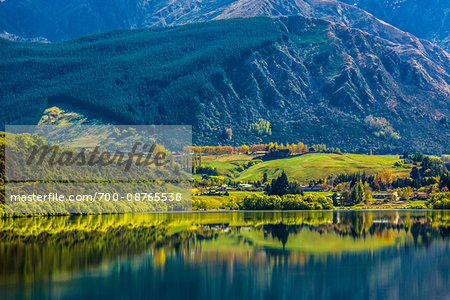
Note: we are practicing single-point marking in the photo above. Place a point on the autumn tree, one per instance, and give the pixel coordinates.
(261, 127)
(229, 133)
(383, 179)
(245, 149)
(367, 196)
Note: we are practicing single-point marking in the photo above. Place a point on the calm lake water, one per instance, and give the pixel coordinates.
(245, 255)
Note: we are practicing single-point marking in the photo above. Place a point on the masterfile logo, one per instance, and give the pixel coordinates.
(99, 168)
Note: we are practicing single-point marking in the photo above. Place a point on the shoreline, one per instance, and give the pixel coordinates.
(340, 209)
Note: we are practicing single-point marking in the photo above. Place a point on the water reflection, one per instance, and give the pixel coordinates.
(259, 255)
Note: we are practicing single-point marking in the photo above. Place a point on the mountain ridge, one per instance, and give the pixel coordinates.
(313, 80)
(425, 19)
(70, 19)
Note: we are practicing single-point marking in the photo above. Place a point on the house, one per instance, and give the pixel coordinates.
(213, 192)
(385, 196)
(312, 188)
(223, 187)
(335, 197)
(245, 186)
(381, 195)
(419, 196)
(260, 152)
(381, 221)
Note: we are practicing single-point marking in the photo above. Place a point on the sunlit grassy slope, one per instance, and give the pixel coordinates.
(306, 167)
(227, 165)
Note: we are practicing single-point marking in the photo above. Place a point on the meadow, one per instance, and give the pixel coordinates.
(306, 167)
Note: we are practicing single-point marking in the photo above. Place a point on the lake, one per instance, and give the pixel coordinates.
(224, 255)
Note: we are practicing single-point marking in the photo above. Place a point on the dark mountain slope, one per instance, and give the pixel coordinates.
(66, 19)
(314, 81)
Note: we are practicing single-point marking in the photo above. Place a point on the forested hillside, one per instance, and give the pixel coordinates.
(242, 81)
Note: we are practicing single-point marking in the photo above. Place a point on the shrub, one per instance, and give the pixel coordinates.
(206, 170)
(286, 202)
(439, 201)
(417, 206)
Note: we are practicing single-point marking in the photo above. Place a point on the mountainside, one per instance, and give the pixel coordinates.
(424, 19)
(313, 80)
(66, 19)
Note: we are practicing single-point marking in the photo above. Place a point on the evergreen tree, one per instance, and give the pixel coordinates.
(281, 186)
(416, 177)
(357, 193)
(265, 177)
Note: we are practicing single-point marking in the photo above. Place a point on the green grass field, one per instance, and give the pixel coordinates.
(320, 165)
(227, 165)
(304, 167)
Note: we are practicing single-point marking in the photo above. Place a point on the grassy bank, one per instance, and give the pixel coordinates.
(236, 200)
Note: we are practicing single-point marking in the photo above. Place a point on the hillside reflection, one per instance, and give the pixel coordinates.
(227, 247)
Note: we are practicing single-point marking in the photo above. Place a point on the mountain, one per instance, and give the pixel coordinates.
(313, 80)
(66, 19)
(424, 19)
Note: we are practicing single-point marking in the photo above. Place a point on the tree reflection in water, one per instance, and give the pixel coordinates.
(230, 245)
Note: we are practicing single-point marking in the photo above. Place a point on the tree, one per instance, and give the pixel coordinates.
(261, 127)
(245, 149)
(444, 181)
(405, 155)
(367, 196)
(418, 157)
(383, 179)
(229, 133)
(431, 167)
(281, 186)
(357, 193)
(265, 178)
(345, 197)
(295, 188)
(416, 177)
(335, 199)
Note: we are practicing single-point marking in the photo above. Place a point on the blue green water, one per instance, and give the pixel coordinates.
(246, 255)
